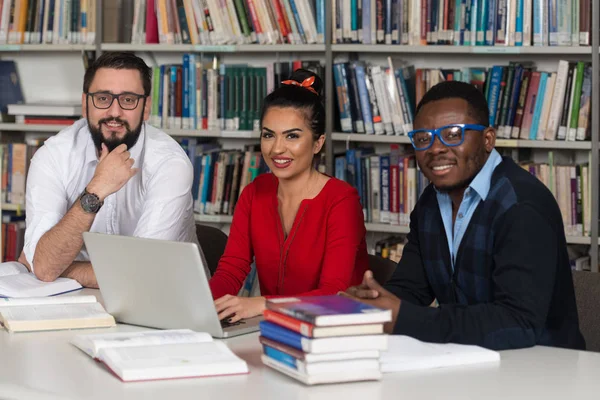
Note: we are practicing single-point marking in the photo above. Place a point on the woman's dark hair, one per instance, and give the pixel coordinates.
(300, 98)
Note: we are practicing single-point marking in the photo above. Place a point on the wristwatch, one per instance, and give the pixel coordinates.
(90, 202)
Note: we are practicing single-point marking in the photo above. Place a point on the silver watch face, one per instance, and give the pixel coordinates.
(90, 203)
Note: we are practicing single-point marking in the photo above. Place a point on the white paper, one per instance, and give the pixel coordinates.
(12, 268)
(27, 285)
(406, 353)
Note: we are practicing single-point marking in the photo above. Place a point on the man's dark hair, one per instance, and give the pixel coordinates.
(119, 60)
(478, 106)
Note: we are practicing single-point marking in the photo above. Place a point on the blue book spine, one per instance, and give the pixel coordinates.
(519, 23)
(340, 168)
(193, 118)
(173, 98)
(490, 30)
(539, 103)
(366, 21)
(553, 22)
(516, 90)
(351, 166)
(364, 99)
(280, 356)
(471, 21)
(494, 92)
(321, 20)
(160, 95)
(384, 180)
(353, 21)
(207, 161)
(482, 22)
(339, 76)
(538, 22)
(388, 22)
(281, 335)
(403, 75)
(197, 172)
(459, 22)
(297, 18)
(185, 110)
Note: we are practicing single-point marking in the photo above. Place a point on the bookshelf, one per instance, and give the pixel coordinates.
(329, 51)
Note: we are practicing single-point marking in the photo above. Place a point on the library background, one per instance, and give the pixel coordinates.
(214, 61)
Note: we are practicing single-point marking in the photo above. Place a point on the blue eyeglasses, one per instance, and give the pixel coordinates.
(450, 135)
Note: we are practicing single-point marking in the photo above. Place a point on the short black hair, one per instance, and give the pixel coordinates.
(478, 106)
(119, 60)
(300, 98)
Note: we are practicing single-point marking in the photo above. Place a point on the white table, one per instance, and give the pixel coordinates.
(43, 365)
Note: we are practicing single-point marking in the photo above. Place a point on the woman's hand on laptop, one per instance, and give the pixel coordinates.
(234, 308)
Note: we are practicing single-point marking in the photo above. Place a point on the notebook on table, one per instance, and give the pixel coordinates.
(16, 281)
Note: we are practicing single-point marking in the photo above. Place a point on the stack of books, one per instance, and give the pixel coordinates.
(324, 339)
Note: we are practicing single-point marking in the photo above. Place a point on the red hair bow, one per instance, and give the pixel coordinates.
(306, 84)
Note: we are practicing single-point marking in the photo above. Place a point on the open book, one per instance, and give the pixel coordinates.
(168, 354)
(17, 281)
(52, 313)
(406, 353)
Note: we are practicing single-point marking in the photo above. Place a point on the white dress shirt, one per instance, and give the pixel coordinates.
(155, 203)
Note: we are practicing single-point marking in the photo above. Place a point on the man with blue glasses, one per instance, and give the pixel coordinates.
(486, 240)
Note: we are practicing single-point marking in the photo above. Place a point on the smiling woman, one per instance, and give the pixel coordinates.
(304, 229)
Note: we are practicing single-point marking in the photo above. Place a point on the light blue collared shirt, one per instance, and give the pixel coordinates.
(476, 192)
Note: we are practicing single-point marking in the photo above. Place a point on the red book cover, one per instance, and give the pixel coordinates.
(151, 22)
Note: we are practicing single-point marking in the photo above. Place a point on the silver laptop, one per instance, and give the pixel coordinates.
(158, 284)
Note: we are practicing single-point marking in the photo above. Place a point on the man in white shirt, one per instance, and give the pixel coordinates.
(110, 173)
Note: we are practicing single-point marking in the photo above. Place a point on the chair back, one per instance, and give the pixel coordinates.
(212, 242)
(382, 268)
(587, 289)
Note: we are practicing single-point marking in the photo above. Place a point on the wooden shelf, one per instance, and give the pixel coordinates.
(13, 207)
(244, 48)
(506, 143)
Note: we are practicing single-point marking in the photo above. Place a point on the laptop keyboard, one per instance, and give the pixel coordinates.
(225, 324)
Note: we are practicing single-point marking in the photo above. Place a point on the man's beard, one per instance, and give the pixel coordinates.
(130, 139)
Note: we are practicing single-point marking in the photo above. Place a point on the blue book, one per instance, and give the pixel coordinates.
(10, 85)
(185, 110)
(193, 118)
(519, 23)
(280, 334)
(329, 310)
(280, 356)
(363, 95)
(494, 92)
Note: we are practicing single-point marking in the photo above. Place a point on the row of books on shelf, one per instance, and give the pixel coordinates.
(195, 95)
(524, 103)
(14, 158)
(463, 22)
(220, 175)
(47, 22)
(389, 186)
(213, 22)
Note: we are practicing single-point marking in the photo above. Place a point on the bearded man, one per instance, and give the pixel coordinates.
(110, 172)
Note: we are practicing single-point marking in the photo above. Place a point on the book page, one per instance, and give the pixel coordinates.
(27, 285)
(172, 360)
(92, 344)
(53, 312)
(37, 301)
(12, 268)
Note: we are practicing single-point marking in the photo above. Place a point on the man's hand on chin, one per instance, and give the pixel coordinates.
(371, 292)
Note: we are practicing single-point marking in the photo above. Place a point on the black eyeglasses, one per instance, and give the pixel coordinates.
(127, 101)
(450, 135)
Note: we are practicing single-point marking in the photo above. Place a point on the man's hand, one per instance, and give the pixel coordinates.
(235, 308)
(113, 171)
(371, 292)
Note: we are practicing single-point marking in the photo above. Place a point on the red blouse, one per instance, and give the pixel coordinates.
(324, 253)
